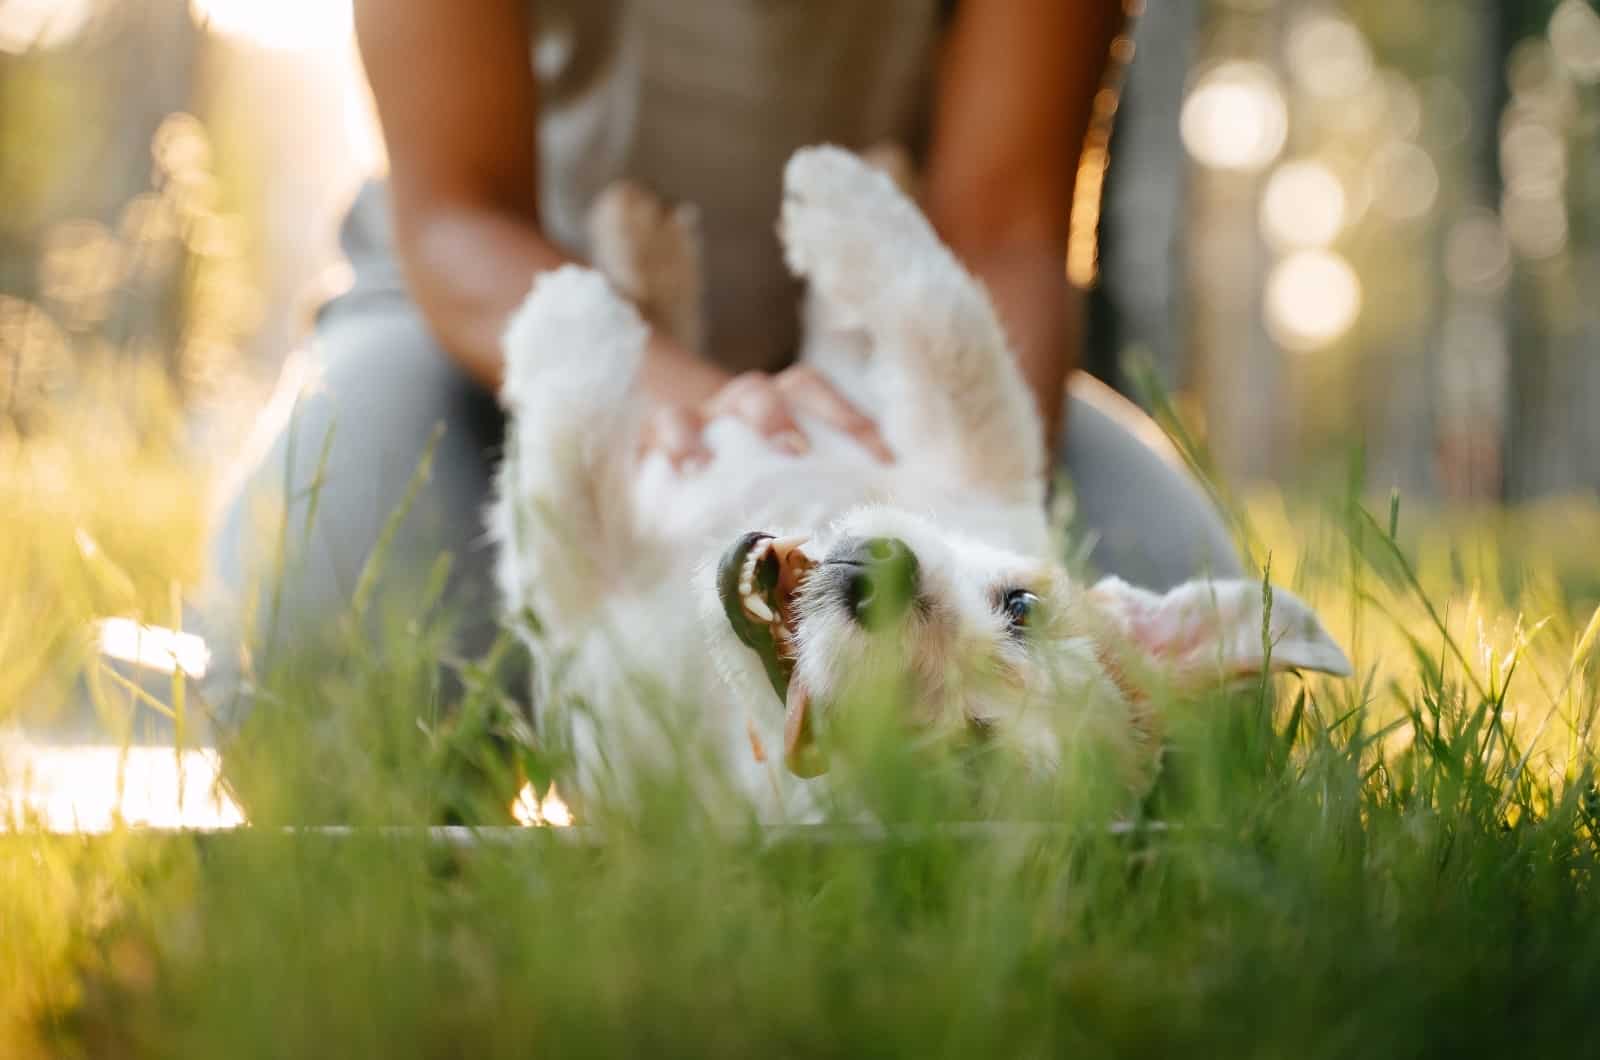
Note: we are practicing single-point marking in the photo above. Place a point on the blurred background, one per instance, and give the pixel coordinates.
(1324, 224)
(1333, 232)
(1381, 225)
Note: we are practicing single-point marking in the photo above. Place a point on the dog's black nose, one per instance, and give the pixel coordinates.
(882, 580)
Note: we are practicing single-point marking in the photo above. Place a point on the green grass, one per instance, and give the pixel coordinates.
(1402, 864)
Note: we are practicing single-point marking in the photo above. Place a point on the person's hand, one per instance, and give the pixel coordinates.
(771, 405)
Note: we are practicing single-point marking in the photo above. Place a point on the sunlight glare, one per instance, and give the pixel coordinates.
(530, 812)
(555, 811)
(525, 808)
(75, 789)
(154, 647)
(283, 25)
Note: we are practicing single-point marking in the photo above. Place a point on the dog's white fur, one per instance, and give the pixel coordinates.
(608, 551)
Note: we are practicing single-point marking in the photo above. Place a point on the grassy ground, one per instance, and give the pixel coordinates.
(99, 519)
(1403, 864)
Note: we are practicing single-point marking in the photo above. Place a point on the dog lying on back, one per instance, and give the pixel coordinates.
(755, 591)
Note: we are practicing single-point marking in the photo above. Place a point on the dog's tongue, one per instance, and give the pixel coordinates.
(800, 751)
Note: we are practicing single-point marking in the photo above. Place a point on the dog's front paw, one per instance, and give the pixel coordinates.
(573, 344)
(846, 227)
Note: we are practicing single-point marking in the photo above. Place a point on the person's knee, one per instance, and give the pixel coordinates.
(294, 541)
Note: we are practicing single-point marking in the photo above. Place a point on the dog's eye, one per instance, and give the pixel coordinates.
(1019, 606)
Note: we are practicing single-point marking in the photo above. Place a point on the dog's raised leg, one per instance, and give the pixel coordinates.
(832, 341)
(953, 393)
(562, 516)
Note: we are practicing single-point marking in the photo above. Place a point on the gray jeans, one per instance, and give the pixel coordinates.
(386, 385)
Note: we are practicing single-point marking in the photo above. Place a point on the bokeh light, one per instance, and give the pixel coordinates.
(1538, 82)
(1313, 297)
(1536, 225)
(34, 357)
(80, 265)
(1533, 157)
(1402, 106)
(1533, 147)
(1303, 206)
(1402, 181)
(1328, 57)
(1355, 118)
(27, 24)
(1235, 117)
(1575, 39)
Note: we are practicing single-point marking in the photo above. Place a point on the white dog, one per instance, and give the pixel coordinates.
(753, 591)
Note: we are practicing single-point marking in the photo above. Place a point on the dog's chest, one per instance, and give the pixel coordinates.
(750, 485)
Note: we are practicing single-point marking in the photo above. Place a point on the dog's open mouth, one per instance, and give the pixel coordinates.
(759, 581)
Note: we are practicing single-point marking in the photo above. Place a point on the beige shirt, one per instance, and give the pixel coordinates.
(704, 101)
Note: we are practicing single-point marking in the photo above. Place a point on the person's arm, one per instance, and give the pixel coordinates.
(1015, 93)
(458, 103)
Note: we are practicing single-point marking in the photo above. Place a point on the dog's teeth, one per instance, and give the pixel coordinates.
(747, 572)
(784, 546)
(756, 607)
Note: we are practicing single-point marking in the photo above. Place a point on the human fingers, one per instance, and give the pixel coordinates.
(755, 398)
(805, 389)
(677, 433)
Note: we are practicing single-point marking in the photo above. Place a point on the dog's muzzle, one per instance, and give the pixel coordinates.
(875, 577)
(758, 581)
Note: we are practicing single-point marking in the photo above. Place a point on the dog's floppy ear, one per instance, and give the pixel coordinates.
(1216, 628)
